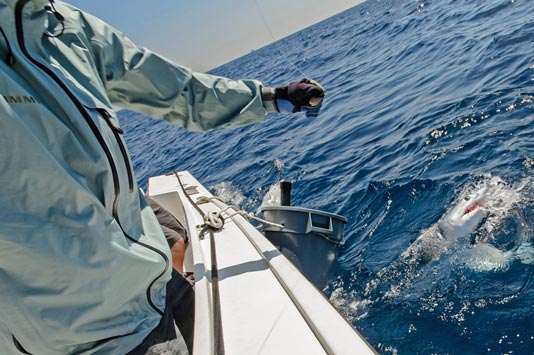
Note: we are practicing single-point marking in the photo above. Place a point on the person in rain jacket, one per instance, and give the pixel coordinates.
(84, 265)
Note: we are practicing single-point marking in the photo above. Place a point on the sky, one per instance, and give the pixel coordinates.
(204, 34)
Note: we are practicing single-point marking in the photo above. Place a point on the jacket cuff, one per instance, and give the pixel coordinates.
(268, 98)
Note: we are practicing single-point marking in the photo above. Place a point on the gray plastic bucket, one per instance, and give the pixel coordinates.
(310, 238)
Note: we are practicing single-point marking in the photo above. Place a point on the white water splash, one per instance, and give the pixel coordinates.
(484, 257)
(525, 253)
(349, 304)
(272, 197)
(279, 165)
(228, 193)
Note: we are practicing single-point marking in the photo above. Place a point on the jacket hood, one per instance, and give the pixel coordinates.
(35, 16)
(13, 3)
(29, 8)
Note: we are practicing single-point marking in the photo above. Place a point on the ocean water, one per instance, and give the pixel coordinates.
(427, 103)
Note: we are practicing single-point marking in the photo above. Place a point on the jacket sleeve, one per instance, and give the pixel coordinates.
(143, 81)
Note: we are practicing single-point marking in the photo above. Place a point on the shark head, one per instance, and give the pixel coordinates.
(464, 218)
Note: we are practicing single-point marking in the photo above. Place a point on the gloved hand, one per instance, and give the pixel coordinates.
(304, 95)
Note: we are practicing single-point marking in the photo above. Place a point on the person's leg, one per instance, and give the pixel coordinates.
(175, 233)
(178, 246)
(166, 219)
(174, 333)
(164, 339)
(180, 293)
(181, 300)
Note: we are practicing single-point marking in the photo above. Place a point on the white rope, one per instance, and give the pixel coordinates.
(203, 199)
(250, 215)
(237, 211)
(214, 220)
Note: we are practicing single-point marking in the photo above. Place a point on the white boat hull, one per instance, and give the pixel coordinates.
(252, 300)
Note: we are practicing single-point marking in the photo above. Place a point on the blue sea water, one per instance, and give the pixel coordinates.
(426, 102)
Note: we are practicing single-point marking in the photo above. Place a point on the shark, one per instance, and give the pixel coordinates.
(480, 207)
(462, 236)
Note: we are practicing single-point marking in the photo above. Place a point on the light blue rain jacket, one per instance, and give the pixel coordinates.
(83, 261)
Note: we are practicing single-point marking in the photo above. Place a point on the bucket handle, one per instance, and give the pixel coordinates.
(319, 227)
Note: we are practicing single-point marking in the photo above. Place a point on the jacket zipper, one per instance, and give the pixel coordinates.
(10, 59)
(19, 346)
(117, 132)
(20, 38)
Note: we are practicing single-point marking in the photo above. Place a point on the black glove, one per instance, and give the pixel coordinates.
(305, 94)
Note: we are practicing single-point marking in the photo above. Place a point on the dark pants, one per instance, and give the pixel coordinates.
(172, 228)
(174, 333)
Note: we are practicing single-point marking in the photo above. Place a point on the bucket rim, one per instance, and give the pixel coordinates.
(303, 209)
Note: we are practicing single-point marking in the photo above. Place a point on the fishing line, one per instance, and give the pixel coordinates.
(275, 41)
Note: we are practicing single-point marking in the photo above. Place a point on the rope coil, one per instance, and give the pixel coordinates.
(212, 219)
